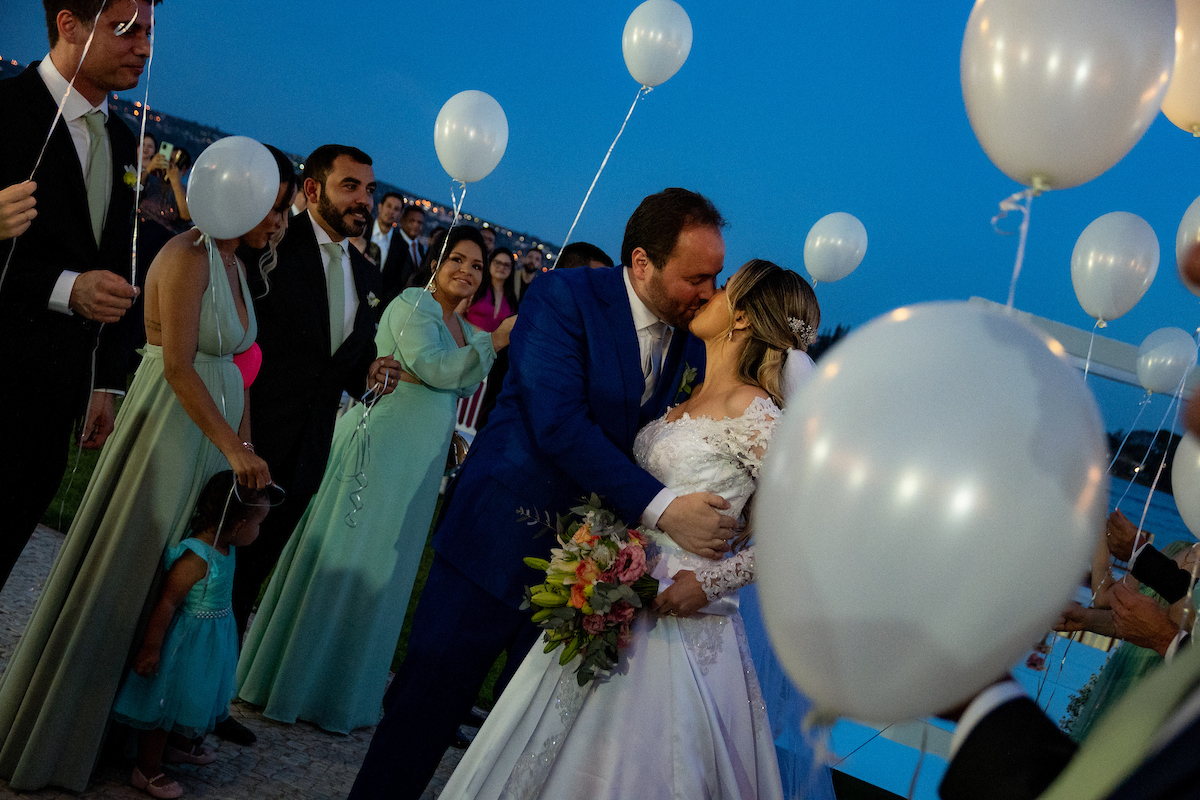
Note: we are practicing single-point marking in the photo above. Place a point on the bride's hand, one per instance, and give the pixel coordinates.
(682, 598)
(695, 524)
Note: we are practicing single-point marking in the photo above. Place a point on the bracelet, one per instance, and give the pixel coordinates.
(248, 446)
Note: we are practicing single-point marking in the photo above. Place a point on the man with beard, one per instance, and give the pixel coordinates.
(316, 327)
(531, 265)
(596, 354)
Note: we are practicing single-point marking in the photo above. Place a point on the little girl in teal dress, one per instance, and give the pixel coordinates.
(182, 678)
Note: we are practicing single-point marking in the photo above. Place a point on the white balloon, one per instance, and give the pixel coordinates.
(835, 245)
(1187, 237)
(1185, 481)
(1164, 358)
(1114, 261)
(470, 135)
(232, 187)
(1057, 91)
(1182, 101)
(657, 40)
(929, 503)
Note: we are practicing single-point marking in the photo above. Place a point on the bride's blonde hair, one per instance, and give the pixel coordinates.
(783, 315)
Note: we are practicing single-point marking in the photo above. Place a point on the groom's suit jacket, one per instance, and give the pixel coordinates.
(563, 427)
(294, 400)
(1016, 753)
(47, 353)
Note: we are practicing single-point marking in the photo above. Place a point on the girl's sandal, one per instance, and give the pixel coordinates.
(155, 786)
(198, 753)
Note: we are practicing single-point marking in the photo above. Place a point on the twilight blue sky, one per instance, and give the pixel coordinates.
(783, 113)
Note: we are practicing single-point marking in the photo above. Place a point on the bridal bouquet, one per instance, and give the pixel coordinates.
(594, 582)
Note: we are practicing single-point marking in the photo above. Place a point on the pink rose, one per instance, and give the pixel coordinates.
(595, 624)
(630, 563)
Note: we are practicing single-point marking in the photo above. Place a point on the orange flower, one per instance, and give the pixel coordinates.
(587, 572)
(578, 598)
(584, 535)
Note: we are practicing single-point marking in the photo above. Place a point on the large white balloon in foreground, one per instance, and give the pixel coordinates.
(835, 246)
(929, 503)
(1113, 264)
(232, 187)
(1164, 358)
(1057, 91)
(656, 41)
(470, 135)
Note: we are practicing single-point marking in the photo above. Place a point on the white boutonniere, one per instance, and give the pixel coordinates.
(372, 300)
(131, 176)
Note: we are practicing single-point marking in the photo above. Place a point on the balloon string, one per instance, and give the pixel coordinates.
(53, 124)
(1161, 425)
(1175, 402)
(912, 786)
(360, 441)
(1087, 366)
(1013, 203)
(137, 191)
(642, 92)
(1142, 407)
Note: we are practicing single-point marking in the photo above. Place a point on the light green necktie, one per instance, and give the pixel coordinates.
(1125, 735)
(335, 284)
(98, 177)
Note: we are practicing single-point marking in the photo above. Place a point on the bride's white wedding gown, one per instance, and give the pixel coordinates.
(681, 716)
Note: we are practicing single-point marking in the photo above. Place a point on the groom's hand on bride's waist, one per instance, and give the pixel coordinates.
(695, 523)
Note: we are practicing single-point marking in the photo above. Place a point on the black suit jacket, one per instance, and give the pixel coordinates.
(1016, 752)
(46, 351)
(398, 267)
(294, 400)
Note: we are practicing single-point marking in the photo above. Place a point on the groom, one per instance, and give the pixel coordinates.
(596, 354)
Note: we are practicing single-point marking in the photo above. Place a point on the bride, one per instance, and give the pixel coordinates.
(682, 714)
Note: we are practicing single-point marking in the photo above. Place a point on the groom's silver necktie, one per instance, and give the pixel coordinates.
(653, 364)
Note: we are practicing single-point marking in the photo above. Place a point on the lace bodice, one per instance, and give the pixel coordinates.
(700, 454)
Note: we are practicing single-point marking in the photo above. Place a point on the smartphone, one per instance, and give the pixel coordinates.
(165, 149)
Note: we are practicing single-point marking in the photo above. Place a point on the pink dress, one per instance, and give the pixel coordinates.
(482, 313)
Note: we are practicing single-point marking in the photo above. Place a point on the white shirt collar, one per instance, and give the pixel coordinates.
(643, 317)
(404, 236)
(76, 105)
(378, 231)
(323, 237)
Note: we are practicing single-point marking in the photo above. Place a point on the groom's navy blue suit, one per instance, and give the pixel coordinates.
(563, 427)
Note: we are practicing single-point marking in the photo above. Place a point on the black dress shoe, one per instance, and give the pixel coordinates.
(231, 730)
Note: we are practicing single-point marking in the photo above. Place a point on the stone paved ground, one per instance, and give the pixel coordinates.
(288, 761)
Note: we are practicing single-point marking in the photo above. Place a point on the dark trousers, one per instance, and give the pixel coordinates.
(458, 633)
(255, 561)
(39, 426)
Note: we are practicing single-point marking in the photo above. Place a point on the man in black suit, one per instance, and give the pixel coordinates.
(66, 284)
(405, 252)
(316, 328)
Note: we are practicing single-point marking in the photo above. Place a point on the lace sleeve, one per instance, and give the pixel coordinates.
(749, 434)
(727, 577)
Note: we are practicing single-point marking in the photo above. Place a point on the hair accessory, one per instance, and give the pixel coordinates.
(805, 332)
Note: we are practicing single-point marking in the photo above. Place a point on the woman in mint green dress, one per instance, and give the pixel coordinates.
(183, 420)
(322, 641)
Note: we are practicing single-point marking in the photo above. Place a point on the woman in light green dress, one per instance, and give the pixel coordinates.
(322, 641)
(183, 420)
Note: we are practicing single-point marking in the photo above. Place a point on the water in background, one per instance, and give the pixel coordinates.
(1162, 518)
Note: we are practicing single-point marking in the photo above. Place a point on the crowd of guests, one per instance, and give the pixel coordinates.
(228, 448)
